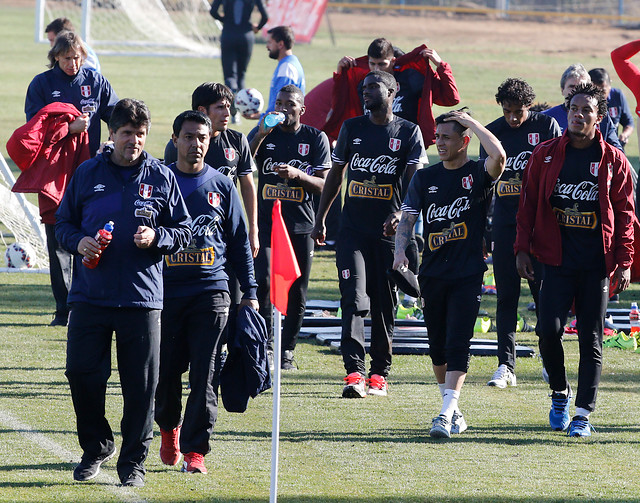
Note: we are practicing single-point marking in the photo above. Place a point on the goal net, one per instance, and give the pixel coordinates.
(20, 222)
(137, 27)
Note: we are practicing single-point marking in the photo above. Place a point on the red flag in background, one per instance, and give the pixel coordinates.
(284, 266)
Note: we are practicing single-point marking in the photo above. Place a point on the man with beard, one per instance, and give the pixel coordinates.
(292, 165)
(576, 217)
(519, 131)
(382, 152)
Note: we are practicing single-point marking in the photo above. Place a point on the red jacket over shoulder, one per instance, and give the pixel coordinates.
(538, 231)
(439, 88)
(47, 155)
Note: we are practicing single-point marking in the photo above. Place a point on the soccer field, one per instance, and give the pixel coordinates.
(375, 450)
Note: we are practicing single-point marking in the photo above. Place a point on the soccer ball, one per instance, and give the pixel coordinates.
(20, 255)
(249, 101)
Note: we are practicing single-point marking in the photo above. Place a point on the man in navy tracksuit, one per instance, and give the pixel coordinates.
(196, 307)
(124, 292)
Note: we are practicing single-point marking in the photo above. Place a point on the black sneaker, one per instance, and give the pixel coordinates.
(135, 479)
(60, 320)
(288, 363)
(90, 467)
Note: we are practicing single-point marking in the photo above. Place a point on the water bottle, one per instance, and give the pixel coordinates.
(634, 317)
(272, 120)
(103, 237)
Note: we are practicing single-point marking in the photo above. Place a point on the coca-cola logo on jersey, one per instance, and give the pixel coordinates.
(269, 166)
(205, 225)
(519, 162)
(583, 191)
(448, 211)
(381, 164)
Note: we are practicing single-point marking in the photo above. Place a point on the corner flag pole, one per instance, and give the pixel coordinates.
(284, 271)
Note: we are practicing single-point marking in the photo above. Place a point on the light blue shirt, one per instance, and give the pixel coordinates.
(288, 71)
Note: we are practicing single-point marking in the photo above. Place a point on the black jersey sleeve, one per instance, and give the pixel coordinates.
(340, 153)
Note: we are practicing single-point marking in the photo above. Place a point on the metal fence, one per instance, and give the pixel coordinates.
(621, 11)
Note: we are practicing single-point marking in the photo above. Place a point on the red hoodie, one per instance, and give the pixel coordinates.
(47, 155)
(439, 88)
(538, 231)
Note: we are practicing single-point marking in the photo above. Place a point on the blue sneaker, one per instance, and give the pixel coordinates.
(559, 413)
(580, 427)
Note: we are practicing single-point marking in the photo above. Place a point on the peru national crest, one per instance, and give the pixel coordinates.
(593, 168)
(534, 138)
(394, 144)
(303, 148)
(145, 190)
(229, 154)
(214, 199)
(85, 91)
(346, 273)
(467, 182)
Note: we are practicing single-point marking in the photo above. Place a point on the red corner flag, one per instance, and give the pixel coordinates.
(284, 266)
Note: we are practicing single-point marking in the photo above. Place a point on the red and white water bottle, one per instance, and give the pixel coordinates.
(103, 237)
(634, 318)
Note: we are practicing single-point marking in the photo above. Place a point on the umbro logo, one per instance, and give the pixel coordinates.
(271, 146)
(357, 141)
(55, 94)
(99, 188)
(547, 159)
(433, 189)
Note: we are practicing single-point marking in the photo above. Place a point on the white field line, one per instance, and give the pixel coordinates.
(41, 440)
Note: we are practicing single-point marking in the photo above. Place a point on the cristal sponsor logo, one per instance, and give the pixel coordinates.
(270, 166)
(99, 188)
(448, 211)
(205, 225)
(381, 164)
(572, 217)
(283, 192)
(583, 191)
(454, 233)
(191, 257)
(519, 162)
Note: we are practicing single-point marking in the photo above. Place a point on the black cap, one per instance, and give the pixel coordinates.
(405, 280)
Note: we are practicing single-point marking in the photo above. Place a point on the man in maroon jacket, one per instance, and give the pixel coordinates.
(419, 86)
(576, 216)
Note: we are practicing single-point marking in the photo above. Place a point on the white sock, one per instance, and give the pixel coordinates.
(449, 403)
(582, 412)
(442, 388)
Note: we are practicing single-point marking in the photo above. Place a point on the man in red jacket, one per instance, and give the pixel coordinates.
(576, 216)
(419, 86)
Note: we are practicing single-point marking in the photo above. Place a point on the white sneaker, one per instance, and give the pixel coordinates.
(440, 427)
(354, 386)
(503, 377)
(458, 424)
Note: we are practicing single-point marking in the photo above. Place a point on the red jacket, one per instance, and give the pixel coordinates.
(439, 88)
(538, 231)
(47, 155)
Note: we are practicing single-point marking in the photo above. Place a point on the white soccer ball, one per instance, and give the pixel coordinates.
(20, 255)
(249, 101)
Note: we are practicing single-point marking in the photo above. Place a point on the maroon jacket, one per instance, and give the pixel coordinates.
(439, 88)
(47, 155)
(538, 230)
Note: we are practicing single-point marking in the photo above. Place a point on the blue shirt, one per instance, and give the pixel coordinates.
(288, 71)
(619, 110)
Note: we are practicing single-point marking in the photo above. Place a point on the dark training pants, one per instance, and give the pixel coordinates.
(89, 366)
(236, 47)
(508, 283)
(303, 248)
(60, 270)
(364, 288)
(192, 329)
(589, 288)
(450, 312)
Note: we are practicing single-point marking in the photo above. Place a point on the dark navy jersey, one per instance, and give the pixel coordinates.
(308, 150)
(378, 156)
(454, 209)
(228, 152)
(518, 143)
(408, 93)
(219, 234)
(576, 205)
(88, 91)
(619, 110)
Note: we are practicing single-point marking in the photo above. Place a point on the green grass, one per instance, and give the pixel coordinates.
(332, 450)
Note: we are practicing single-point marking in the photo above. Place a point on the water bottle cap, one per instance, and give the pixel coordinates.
(108, 226)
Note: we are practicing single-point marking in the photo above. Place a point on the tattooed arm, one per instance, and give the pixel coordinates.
(403, 237)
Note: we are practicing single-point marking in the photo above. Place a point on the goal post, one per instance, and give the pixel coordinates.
(168, 28)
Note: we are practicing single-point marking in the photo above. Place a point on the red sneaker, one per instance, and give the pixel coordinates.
(170, 447)
(354, 387)
(378, 385)
(193, 463)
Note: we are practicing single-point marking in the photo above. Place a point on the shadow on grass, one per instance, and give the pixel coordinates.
(60, 467)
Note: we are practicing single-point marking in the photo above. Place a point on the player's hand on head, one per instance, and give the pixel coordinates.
(461, 117)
